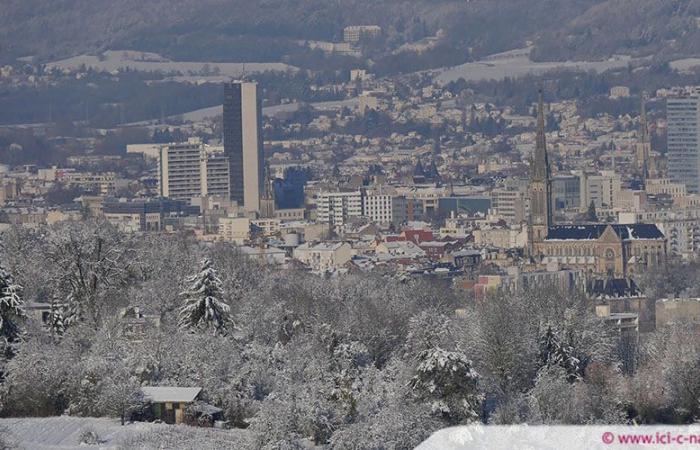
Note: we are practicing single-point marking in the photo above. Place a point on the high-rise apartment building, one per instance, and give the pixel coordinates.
(243, 143)
(187, 170)
(683, 116)
(335, 208)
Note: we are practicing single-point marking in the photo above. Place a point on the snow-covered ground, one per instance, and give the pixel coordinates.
(63, 433)
(152, 62)
(517, 63)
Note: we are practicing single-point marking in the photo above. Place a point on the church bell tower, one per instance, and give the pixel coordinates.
(540, 186)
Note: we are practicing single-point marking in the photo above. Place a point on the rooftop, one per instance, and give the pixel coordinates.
(594, 231)
(162, 394)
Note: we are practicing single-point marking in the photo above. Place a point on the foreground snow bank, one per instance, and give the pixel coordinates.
(63, 433)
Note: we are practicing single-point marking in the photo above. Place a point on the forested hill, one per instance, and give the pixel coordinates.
(266, 30)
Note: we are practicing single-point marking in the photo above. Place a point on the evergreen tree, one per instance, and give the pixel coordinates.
(204, 306)
(555, 353)
(448, 379)
(11, 308)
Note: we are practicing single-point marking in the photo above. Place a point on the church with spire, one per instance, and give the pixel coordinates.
(599, 249)
(540, 217)
(644, 164)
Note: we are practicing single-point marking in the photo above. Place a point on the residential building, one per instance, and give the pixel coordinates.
(188, 170)
(335, 208)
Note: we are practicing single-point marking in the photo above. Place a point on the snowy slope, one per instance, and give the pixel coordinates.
(62, 433)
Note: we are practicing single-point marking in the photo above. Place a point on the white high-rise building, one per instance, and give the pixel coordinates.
(335, 208)
(189, 170)
(243, 143)
(683, 116)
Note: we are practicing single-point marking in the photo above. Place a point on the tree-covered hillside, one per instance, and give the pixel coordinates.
(267, 30)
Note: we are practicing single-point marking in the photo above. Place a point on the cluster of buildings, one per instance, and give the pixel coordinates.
(492, 198)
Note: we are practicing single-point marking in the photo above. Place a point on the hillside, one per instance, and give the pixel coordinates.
(269, 30)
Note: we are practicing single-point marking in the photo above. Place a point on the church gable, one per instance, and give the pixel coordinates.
(609, 236)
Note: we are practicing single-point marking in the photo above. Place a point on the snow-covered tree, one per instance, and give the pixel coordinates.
(448, 380)
(204, 306)
(553, 352)
(90, 264)
(120, 394)
(11, 308)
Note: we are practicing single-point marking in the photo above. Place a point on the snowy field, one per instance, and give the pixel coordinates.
(63, 433)
(517, 63)
(152, 62)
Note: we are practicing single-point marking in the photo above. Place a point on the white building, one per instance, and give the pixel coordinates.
(602, 189)
(324, 256)
(335, 208)
(234, 229)
(384, 208)
(187, 170)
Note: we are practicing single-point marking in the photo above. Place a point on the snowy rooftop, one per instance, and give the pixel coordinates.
(161, 394)
(594, 231)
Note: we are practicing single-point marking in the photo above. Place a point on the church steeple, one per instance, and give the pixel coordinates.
(540, 185)
(267, 201)
(539, 169)
(643, 149)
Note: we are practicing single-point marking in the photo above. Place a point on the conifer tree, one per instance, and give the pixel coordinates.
(204, 307)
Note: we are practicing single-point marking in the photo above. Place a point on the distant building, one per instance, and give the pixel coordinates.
(188, 170)
(601, 249)
(324, 256)
(243, 143)
(234, 229)
(683, 117)
(509, 204)
(336, 208)
(619, 92)
(385, 209)
(664, 186)
(566, 192)
(603, 189)
(677, 310)
(354, 34)
(141, 215)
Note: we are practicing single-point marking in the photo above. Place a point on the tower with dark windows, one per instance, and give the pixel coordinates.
(540, 185)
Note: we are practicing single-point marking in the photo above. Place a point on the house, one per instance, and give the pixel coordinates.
(169, 402)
